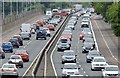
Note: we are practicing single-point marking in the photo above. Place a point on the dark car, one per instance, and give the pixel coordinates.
(20, 40)
(2, 54)
(87, 47)
(90, 56)
(63, 46)
(7, 47)
(14, 42)
(41, 34)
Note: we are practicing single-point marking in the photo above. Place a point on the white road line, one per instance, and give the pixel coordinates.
(105, 42)
(94, 36)
(51, 58)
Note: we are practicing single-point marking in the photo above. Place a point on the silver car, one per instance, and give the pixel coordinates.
(9, 70)
(69, 56)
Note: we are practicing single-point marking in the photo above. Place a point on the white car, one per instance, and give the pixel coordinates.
(17, 60)
(25, 35)
(85, 24)
(71, 25)
(98, 63)
(69, 56)
(9, 70)
(48, 31)
(70, 69)
(110, 71)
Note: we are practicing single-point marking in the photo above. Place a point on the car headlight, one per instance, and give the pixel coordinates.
(76, 72)
(91, 47)
(63, 57)
(88, 57)
(83, 47)
(67, 45)
(64, 73)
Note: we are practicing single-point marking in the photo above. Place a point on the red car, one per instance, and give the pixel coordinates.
(81, 36)
(23, 53)
(63, 13)
(51, 27)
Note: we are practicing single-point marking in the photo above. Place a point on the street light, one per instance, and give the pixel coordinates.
(11, 7)
(3, 10)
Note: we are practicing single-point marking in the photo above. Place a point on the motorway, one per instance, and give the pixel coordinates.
(105, 44)
(81, 58)
(33, 47)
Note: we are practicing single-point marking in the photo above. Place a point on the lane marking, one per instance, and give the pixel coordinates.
(105, 42)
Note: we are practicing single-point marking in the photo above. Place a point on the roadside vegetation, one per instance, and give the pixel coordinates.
(111, 12)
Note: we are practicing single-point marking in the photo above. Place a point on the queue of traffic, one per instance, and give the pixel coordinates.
(69, 58)
(41, 29)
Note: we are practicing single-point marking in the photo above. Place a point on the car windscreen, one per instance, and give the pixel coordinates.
(15, 57)
(70, 67)
(112, 69)
(8, 66)
(99, 60)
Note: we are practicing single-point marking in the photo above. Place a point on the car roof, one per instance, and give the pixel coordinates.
(99, 57)
(68, 51)
(70, 64)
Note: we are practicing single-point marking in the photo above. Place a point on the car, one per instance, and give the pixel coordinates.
(2, 53)
(48, 32)
(20, 40)
(67, 28)
(51, 27)
(85, 25)
(7, 47)
(25, 35)
(71, 25)
(90, 56)
(85, 35)
(9, 70)
(86, 31)
(98, 63)
(65, 40)
(70, 69)
(74, 21)
(89, 40)
(16, 59)
(23, 53)
(63, 46)
(41, 34)
(85, 20)
(53, 21)
(87, 47)
(68, 56)
(14, 42)
(110, 71)
(35, 26)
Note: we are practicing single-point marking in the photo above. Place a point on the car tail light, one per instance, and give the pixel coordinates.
(2, 70)
(15, 70)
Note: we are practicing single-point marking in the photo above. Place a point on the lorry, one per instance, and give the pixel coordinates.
(26, 31)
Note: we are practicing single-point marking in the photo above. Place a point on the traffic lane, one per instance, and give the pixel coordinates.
(57, 58)
(81, 57)
(103, 43)
(33, 48)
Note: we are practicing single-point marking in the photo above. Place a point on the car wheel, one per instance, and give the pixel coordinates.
(62, 62)
(92, 69)
(11, 51)
(22, 66)
(58, 49)
(36, 38)
(17, 46)
(27, 60)
(28, 38)
(45, 38)
(3, 57)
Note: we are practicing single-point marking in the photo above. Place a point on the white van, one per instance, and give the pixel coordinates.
(26, 31)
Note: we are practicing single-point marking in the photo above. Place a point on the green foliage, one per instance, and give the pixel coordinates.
(116, 29)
